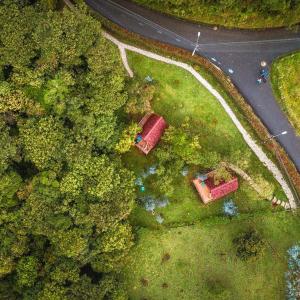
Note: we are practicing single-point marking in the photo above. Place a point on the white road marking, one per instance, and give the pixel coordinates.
(151, 23)
(251, 42)
(160, 28)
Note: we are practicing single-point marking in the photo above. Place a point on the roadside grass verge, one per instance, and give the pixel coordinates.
(239, 15)
(285, 78)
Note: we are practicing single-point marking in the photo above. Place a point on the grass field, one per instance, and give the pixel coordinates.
(203, 264)
(198, 238)
(286, 83)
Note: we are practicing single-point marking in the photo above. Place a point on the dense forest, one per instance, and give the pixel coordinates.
(64, 193)
(232, 13)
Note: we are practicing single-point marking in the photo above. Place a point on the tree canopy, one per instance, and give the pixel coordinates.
(64, 193)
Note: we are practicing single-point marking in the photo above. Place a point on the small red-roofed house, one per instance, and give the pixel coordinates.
(210, 192)
(153, 127)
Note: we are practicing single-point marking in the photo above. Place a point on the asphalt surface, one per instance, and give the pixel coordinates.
(237, 52)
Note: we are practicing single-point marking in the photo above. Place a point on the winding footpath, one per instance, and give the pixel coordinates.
(237, 52)
(248, 139)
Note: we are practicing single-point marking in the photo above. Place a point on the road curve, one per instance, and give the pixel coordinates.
(237, 52)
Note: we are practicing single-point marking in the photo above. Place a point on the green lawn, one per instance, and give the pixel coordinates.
(198, 237)
(286, 84)
(180, 97)
(203, 264)
(185, 206)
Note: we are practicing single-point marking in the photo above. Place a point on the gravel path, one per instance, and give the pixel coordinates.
(248, 139)
(125, 61)
(256, 187)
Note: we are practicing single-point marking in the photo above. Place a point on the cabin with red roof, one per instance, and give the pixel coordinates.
(210, 192)
(153, 127)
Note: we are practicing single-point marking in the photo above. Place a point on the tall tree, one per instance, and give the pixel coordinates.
(8, 147)
(64, 194)
(43, 140)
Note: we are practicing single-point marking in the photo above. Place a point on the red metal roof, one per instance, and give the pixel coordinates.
(222, 189)
(203, 190)
(153, 128)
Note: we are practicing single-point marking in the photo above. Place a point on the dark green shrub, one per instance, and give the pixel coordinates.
(249, 245)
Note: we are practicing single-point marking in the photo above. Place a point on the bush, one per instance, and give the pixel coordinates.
(293, 274)
(140, 97)
(127, 138)
(221, 174)
(27, 271)
(249, 245)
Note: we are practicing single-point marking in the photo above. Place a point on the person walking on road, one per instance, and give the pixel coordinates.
(263, 75)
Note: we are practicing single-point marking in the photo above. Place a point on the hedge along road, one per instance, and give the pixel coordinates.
(237, 52)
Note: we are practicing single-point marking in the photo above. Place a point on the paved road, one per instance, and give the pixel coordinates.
(237, 52)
